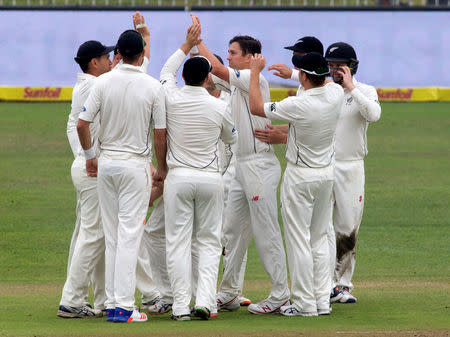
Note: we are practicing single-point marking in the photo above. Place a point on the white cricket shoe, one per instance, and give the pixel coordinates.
(66, 311)
(347, 297)
(266, 307)
(290, 310)
(225, 302)
(244, 301)
(156, 306)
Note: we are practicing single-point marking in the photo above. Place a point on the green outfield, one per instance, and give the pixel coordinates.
(402, 276)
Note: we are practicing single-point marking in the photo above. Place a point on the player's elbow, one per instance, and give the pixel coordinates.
(82, 126)
(374, 113)
(257, 110)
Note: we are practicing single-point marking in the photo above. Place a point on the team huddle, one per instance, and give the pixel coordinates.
(216, 176)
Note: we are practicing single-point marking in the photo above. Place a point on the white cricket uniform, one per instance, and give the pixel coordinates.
(360, 108)
(306, 190)
(252, 201)
(87, 249)
(228, 169)
(154, 239)
(127, 100)
(193, 190)
(144, 277)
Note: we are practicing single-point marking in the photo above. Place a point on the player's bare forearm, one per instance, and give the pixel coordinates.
(141, 27)
(84, 134)
(256, 102)
(218, 68)
(160, 151)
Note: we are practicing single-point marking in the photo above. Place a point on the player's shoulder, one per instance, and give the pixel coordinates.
(151, 80)
(365, 88)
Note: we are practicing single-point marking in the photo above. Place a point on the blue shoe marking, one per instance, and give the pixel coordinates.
(122, 315)
(110, 314)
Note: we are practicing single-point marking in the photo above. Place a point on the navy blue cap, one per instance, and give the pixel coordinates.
(92, 49)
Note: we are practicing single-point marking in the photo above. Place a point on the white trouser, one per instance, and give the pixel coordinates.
(305, 199)
(124, 193)
(154, 242)
(193, 205)
(144, 276)
(87, 253)
(252, 208)
(348, 195)
(227, 179)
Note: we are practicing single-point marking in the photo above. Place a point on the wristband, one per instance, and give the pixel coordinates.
(141, 25)
(89, 154)
(194, 50)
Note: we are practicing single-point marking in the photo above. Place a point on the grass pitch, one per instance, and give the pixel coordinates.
(402, 277)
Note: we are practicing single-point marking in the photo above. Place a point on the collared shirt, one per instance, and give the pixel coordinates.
(80, 94)
(246, 123)
(195, 121)
(360, 108)
(312, 118)
(127, 100)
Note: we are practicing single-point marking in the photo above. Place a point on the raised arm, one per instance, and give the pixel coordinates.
(141, 27)
(170, 68)
(370, 108)
(257, 64)
(218, 68)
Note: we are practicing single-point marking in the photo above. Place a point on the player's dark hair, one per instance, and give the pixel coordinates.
(315, 80)
(248, 44)
(131, 59)
(84, 65)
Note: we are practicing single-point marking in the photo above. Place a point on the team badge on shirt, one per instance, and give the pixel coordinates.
(349, 100)
(83, 109)
(273, 107)
(237, 72)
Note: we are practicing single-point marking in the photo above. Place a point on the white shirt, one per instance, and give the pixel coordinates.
(144, 65)
(195, 121)
(80, 94)
(227, 152)
(127, 100)
(246, 123)
(360, 108)
(312, 117)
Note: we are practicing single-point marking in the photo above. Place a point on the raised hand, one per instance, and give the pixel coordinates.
(281, 70)
(257, 62)
(347, 79)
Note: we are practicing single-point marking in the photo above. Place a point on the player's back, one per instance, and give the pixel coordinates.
(129, 97)
(311, 135)
(194, 123)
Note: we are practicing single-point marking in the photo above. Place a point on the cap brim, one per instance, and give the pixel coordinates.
(334, 59)
(293, 48)
(108, 49)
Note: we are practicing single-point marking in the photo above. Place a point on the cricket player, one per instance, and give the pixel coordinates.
(127, 101)
(193, 190)
(277, 134)
(252, 203)
(87, 260)
(222, 90)
(360, 108)
(308, 179)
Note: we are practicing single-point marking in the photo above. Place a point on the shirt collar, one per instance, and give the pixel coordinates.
(129, 67)
(84, 76)
(195, 89)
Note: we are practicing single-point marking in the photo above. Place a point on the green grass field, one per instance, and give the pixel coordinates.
(402, 276)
